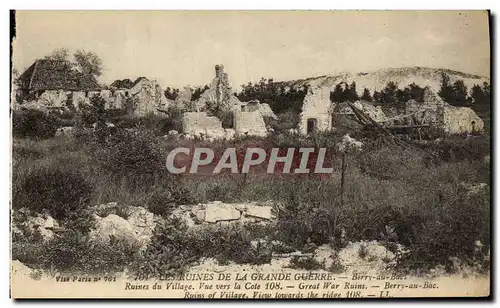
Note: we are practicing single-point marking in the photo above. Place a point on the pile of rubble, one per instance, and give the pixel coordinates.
(219, 212)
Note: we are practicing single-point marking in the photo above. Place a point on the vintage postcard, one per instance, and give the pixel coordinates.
(250, 154)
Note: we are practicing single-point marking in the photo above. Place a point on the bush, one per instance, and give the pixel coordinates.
(456, 148)
(74, 253)
(129, 155)
(163, 201)
(34, 124)
(286, 120)
(61, 193)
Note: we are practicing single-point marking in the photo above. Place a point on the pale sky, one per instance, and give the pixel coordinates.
(180, 48)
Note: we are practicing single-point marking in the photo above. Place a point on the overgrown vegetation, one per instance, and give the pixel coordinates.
(418, 191)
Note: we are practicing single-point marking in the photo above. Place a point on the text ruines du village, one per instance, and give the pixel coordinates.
(285, 285)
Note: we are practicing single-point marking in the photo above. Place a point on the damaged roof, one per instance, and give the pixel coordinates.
(56, 75)
(126, 83)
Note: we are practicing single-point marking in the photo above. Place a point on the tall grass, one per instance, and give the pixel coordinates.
(386, 185)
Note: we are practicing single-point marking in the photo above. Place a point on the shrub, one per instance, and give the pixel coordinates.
(286, 120)
(129, 155)
(74, 252)
(61, 193)
(162, 201)
(169, 252)
(34, 124)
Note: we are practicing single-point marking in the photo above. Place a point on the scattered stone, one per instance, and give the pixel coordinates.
(263, 212)
(375, 113)
(36, 225)
(200, 215)
(115, 226)
(143, 223)
(241, 207)
(349, 144)
(184, 216)
(200, 124)
(220, 212)
(51, 223)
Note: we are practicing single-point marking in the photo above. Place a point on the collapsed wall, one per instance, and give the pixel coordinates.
(249, 123)
(200, 124)
(450, 119)
(457, 120)
(219, 92)
(375, 113)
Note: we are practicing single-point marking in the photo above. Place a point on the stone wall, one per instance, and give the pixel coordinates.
(199, 123)
(316, 106)
(54, 98)
(457, 120)
(249, 123)
(450, 119)
(219, 92)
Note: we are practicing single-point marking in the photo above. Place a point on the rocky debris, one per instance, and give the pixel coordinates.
(44, 226)
(220, 213)
(264, 212)
(326, 255)
(113, 226)
(216, 212)
(133, 218)
(371, 256)
(487, 159)
(349, 144)
(143, 223)
(185, 217)
(20, 271)
(200, 124)
(184, 95)
(375, 113)
(457, 120)
(450, 119)
(229, 133)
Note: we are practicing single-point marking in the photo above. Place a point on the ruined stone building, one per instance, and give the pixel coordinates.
(219, 92)
(248, 117)
(317, 111)
(54, 84)
(140, 97)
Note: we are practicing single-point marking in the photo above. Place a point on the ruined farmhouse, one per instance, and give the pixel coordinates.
(55, 84)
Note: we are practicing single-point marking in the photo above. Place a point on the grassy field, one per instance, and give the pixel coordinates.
(394, 193)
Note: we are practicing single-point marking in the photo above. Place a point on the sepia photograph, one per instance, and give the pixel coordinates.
(323, 154)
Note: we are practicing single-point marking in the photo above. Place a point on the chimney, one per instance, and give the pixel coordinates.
(219, 69)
